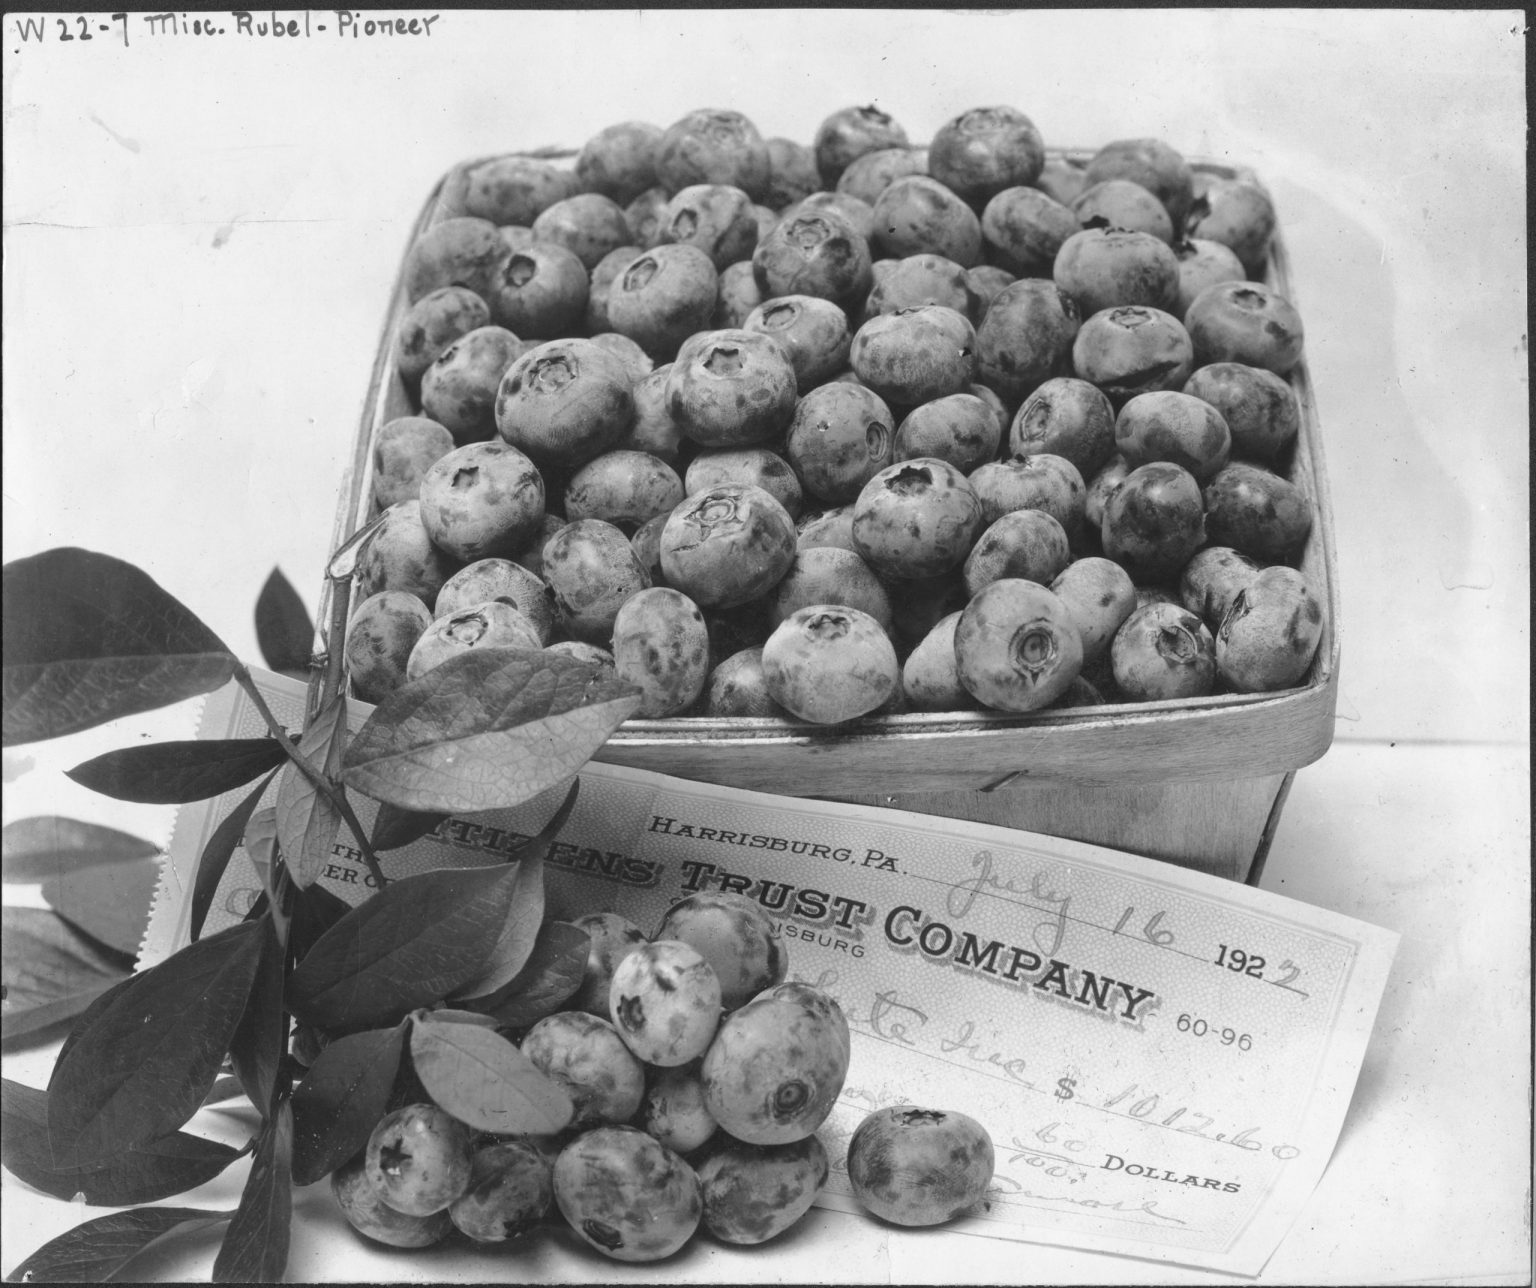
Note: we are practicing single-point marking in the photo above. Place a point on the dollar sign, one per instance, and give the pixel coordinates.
(1064, 1088)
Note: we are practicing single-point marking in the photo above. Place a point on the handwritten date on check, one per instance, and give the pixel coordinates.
(1163, 1059)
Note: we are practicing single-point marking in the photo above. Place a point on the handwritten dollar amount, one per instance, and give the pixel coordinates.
(1148, 1106)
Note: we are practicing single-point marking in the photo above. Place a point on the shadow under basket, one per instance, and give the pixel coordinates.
(1198, 782)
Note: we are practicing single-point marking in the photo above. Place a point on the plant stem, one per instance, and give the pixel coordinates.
(322, 784)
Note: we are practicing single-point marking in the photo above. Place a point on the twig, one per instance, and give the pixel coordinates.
(322, 784)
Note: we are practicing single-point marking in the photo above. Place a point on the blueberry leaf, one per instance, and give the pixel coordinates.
(256, 1048)
(156, 1170)
(284, 632)
(488, 729)
(484, 1081)
(315, 911)
(96, 1250)
(549, 978)
(34, 849)
(174, 773)
(413, 943)
(307, 820)
(521, 928)
(51, 971)
(141, 1059)
(89, 638)
(341, 1098)
(394, 827)
(255, 1247)
(217, 853)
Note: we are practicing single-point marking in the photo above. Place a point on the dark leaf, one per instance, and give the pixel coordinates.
(341, 1099)
(156, 1170)
(34, 849)
(110, 904)
(549, 978)
(395, 827)
(306, 819)
(486, 730)
(216, 855)
(484, 1081)
(315, 911)
(89, 638)
(284, 632)
(141, 1060)
(518, 932)
(410, 945)
(173, 773)
(527, 911)
(261, 1037)
(51, 971)
(255, 1247)
(93, 1252)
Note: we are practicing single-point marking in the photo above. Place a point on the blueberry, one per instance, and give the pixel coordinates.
(499, 579)
(459, 389)
(918, 214)
(1260, 408)
(419, 1159)
(827, 663)
(714, 146)
(482, 500)
(661, 646)
(1016, 646)
(1024, 228)
(916, 519)
(1026, 337)
(1104, 268)
(715, 217)
(626, 1194)
(619, 161)
(383, 631)
(919, 1167)
(1169, 426)
(984, 150)
(777, 1065)
(515, 190)
(1120, 203)
(848, 134)
(840, 437)
(431, 324)
(586, 1056)
(1270, 634)
(403, 450)
(1161, 652)
(588, 224)
(1245, 322)
(565, 402)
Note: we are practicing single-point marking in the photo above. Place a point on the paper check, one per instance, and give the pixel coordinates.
(1163, 1059)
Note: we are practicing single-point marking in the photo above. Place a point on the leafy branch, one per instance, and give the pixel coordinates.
(324, 1011)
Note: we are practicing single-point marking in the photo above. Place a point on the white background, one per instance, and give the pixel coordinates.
(201, 235)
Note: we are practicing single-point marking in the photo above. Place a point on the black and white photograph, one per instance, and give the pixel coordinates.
(701, 645)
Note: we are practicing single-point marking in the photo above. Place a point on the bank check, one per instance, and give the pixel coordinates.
(1163, 1059)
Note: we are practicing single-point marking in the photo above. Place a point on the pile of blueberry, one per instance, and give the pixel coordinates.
(856, 428)
(698, 1078)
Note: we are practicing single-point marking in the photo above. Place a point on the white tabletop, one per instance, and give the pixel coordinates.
(200, 239)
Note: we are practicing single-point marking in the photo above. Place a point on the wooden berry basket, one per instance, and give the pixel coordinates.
(1199, 782)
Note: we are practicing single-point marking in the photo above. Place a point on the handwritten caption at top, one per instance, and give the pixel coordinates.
(347, 24)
